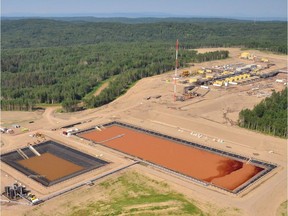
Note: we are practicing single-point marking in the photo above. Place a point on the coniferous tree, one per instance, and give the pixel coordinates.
(269, 116)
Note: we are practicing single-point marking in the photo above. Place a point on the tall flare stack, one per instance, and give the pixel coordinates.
(176, 67)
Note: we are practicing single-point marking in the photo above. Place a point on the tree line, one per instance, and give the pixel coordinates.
(210, 56)
(269, 116)
(67, 74)
(195, 33)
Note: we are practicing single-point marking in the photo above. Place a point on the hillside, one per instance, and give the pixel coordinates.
(46, 33)
(61, 61)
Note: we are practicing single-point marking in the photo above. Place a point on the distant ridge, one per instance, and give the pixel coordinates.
(136, 18)
(140, 19)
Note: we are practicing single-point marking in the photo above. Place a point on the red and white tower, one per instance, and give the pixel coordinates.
(176, 67)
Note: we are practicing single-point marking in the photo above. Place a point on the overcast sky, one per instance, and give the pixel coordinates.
(188, 8)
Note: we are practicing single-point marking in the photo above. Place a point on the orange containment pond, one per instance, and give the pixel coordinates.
(216, 168)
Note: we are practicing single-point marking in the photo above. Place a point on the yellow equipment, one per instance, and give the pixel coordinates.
(245, 55)
(193, 80)
(264, 60)
(218, 83)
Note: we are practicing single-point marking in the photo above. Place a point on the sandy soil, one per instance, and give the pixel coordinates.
(105, 85)
(214, 116)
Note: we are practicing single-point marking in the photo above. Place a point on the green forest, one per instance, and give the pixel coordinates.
(29, 33)
(269, 116)
(47, 61)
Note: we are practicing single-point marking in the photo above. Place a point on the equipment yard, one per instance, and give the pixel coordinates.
(185, 142)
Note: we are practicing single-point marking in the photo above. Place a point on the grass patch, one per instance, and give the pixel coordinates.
(282, 209)
(136, 194)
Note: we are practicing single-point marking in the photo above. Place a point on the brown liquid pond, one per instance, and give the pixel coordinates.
(50, 166)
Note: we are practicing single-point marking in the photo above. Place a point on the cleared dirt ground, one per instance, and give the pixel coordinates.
(214, 116)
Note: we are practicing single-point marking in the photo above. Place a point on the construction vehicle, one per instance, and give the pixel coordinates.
(32, 198)
(201, 71)
(39, 135)
(218, 83)
(185, 73)
(187, 93)
(266, 60)
(245, 55)
(193, 80)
